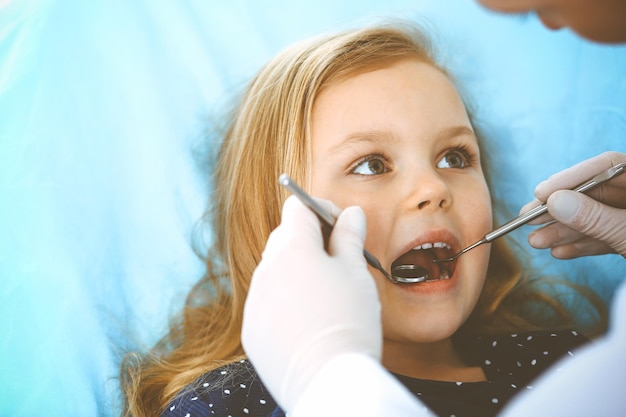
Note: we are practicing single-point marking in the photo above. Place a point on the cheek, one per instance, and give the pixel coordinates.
(482, 209)
(481, 263)
(379, 227)
(479, 221)
(473, 205)
(376, 214)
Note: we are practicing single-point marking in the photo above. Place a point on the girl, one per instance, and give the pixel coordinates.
(366, 118)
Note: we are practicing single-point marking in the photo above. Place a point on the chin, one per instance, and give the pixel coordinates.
(429, 328)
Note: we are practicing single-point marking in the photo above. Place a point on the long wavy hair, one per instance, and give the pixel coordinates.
(268, 134)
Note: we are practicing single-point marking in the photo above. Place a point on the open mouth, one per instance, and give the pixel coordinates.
(420, 259)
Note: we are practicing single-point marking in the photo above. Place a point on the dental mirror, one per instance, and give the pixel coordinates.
(403, 274)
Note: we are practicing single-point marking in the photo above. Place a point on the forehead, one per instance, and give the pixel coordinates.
(406, 103)
(378, 64)
(408, 82)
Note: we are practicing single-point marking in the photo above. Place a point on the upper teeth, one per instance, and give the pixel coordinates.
(432, 245)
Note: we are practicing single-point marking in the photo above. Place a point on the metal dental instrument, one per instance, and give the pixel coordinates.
(328, 222)
(538, 211)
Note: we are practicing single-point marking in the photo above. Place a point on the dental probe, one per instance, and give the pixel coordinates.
(328, 222)
(538, 211)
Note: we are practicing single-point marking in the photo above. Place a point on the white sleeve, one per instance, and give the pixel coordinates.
(353, 384)
(588, 384)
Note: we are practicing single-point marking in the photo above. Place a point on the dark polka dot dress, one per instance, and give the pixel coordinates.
(510, 363)
(234, 390)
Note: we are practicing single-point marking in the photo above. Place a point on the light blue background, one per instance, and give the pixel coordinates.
(103, 104)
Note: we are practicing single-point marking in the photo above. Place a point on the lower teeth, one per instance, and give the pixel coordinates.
(442, 277)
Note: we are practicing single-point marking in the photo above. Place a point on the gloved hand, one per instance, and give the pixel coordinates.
(306, 306)
(585, 225)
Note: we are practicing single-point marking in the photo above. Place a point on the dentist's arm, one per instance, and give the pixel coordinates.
(585, 225)
(312, 326)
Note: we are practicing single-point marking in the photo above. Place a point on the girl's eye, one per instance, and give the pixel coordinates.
(371, 165)
(456, 158)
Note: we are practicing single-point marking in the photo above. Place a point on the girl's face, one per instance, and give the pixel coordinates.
(398, 142)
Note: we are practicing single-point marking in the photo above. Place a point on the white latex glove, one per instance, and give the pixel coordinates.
(306, 306)
(585, 225)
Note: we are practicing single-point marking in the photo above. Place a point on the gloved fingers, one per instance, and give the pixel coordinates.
(329, 206)
(348, 236)
(585, 227)
(298, 224)
(554, 234)
(276, 278)
(579, 173)
(299, 219)
(566, 243)
(305, 306)
(612, 193)
(582, 247)
(545, 218)
(587, 215)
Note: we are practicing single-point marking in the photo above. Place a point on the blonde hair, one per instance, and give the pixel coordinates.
(270, 135)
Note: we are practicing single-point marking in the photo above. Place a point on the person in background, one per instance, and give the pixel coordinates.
(588, 385)
(362, 118)
(597, 20)
(585, 225)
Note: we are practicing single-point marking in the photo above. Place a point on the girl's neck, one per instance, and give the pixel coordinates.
(437, 361)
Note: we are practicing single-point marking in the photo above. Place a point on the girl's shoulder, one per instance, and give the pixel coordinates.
(232, 390)
(526, 354)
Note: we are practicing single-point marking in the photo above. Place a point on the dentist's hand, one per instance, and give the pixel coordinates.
(584, 225)
(306, 306)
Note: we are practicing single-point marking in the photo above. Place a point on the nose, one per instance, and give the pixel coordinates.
(428, 191)
(551, 20)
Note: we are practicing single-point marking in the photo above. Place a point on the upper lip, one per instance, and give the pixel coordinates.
(430, 236)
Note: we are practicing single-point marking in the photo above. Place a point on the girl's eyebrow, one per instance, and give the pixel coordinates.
(386, 137)
(455, 131)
